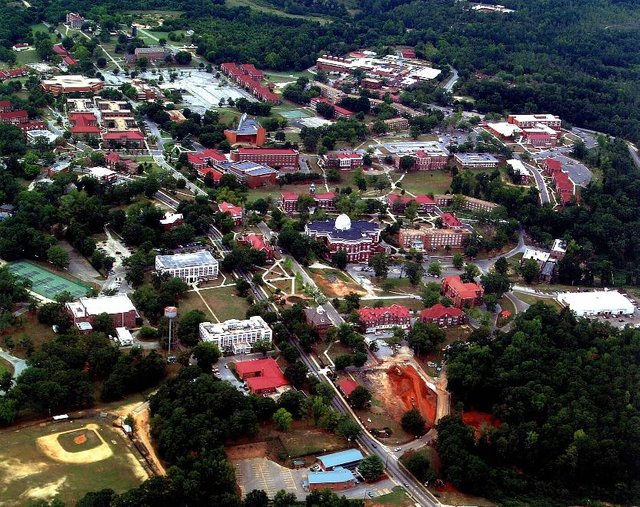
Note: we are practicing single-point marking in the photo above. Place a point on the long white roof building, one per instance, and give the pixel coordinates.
(600, 302)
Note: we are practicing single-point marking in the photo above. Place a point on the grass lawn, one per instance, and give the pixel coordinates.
(26, 327)
(303, 442)
(398, 497)
(5, 366)
(532, 300)
(412, 304)
(506, 304)
(436, 182)
(285, 77)
(223, 301)
(275, 191)
(24, 57)
(390, 286)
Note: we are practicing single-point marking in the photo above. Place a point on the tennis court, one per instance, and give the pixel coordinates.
(46, 283)
(293, 115)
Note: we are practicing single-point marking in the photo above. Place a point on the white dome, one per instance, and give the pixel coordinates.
(343, 223)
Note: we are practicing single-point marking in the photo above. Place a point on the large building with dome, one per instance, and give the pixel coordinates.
(358, 238)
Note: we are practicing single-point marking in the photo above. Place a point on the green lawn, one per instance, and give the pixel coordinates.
(223, 301)
(424, 182)
(532, 300)
(24, 57)
(272, 10)
(397, 497)
(5, 366)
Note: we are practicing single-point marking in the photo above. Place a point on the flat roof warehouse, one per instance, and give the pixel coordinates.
(601, 302)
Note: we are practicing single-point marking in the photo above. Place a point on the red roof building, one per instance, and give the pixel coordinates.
(32, 125)
(388, 317)
(205, 158)
(209, 172)
(13, 73)
(347, 386)
(463, 294)
(564, 186)
(231, 209)
(276, 158)
(84, 124)
(14, 117)
(340, 112)
(5, 106)
(248, 77)
(289, 201)
(343, 160)
(408, 53)
(398, 203)
(450, 221)
(443, 316)
(126, 138)
(116, 162)
(248, 131)
(551, 166)
(257, 242)
(263, 376)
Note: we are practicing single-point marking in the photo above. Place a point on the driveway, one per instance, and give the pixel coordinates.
(19, 365)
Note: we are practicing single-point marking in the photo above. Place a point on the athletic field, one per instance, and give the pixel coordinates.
(46, 283)
(293, 115)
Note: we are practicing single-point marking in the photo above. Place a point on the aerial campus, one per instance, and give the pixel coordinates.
(359, 282)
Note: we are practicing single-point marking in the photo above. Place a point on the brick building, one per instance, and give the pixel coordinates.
(248, 131)
(119, 307)
(14, 117)
(443, 316)
(398, 203)
(474, 204)
(531, 120)
(252, 174)
(248, 77)
(359, 239)
(337, 479)
(376, 319)
(74, 20)
(257, 242)
(429, 159)
(263, 376)
(318, 319)
(427, 239)
(463, 294)
(475, 161)
(84, 124)
(343, 160)
(235, 212)
(289, 201)
(277, 158)
(205, 158)
(340, 112)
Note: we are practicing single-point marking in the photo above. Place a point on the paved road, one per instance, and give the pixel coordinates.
(19, 365)
(451, 82)
(634, 154)
(542, 186)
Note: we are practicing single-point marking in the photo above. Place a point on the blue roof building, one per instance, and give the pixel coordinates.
(358, 238)
(339, 478)
(350, 458)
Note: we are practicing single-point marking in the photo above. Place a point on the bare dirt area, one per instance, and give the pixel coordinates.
(247, 451)
(52, 447)
(332, 286)
(401, 389)
(480, 420)
(140, 416)
(449, 495)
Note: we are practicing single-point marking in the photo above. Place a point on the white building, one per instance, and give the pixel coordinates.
(600, 302)
(236, 335)
(190, 267)
(538, 255)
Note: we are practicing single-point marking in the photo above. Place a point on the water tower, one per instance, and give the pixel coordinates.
(171, 312)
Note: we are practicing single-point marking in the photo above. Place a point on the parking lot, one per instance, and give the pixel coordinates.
(264, 474)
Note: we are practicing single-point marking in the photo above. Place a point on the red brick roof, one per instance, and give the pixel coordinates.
(464, 289)
(268, 374)
(347, 386)
(553, 164)
(127, 134)
(84, 123)
(439, 311)
(450, 220)
(11, 115)
(59, 49)
(289, 196)
(352, 155)
(231, 209)
(325, 196)
(205, 156)
(214, 173)
(4, 104)
(406, 199)
(255, 241)
(368, 314)
(266, 151)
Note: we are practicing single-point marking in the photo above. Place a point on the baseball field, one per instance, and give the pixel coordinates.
(65, 460)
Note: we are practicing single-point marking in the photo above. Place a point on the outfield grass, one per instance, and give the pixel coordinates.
(28, 474)
(424, 182)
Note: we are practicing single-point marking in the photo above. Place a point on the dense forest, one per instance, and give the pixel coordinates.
(567, 393)
(576, 60)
